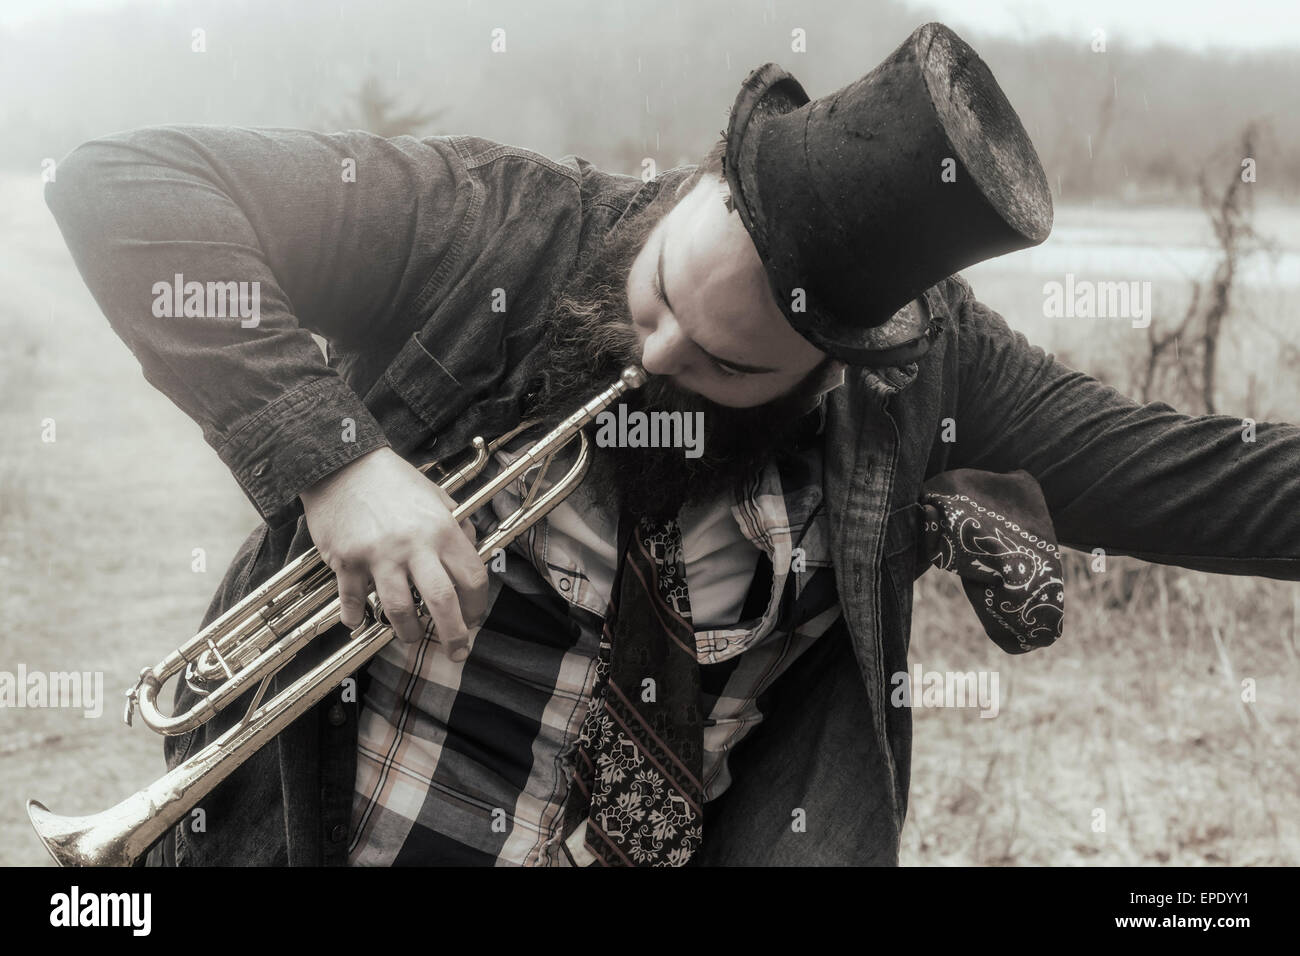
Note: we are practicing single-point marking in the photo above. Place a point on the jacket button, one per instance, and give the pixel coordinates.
(338, 833)
(336, 715)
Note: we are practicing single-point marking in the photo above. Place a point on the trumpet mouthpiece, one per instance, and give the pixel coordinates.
(634, 376)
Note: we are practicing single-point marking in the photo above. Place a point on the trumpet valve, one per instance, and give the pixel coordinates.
(133, 696)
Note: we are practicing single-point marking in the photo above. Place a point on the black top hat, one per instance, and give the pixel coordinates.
(847, 201)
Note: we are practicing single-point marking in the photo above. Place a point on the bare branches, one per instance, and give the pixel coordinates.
(1181, 365)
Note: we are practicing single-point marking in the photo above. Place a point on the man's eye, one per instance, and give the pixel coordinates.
(729, 372)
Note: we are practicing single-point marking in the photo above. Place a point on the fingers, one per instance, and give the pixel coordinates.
(442, 604)
(470, 577)
(398, 550)
(354, 586)
(471, 532)
(399, 605)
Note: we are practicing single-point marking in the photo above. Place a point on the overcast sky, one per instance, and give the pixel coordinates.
(1196, 24)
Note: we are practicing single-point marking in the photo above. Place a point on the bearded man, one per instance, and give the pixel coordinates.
(688, 661)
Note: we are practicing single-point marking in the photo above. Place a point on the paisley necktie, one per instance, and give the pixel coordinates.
(640, 755)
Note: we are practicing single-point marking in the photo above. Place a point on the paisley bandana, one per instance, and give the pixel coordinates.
(995, 531)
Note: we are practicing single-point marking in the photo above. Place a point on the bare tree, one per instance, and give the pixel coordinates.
(1181, 365)
(376, 111)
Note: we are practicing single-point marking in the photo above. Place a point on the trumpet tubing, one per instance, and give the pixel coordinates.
(247, 646)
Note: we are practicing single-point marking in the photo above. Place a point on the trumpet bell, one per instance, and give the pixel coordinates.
(96, 840)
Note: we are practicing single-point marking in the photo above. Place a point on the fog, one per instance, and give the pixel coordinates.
(619, 82)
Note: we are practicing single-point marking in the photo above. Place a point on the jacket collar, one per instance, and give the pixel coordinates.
(886, 381)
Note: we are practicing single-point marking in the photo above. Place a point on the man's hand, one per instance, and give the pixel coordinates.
(378, 519)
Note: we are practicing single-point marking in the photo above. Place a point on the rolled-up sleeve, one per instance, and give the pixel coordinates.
(339, 234)
(1200, 491)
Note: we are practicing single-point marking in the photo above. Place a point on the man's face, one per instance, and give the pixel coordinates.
(720, 334)
(720, 351)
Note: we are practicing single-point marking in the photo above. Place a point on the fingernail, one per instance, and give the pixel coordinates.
(459, 654)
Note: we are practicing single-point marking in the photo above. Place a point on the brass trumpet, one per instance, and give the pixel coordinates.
(245, 648)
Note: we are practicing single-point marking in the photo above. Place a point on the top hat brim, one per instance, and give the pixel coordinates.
(771, 91)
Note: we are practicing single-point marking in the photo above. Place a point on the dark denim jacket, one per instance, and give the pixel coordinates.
(397, 270)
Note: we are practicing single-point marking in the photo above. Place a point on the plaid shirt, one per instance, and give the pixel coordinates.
(469, 763)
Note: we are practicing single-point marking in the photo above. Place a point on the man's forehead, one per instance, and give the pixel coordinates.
(715, 232)
(711, 265)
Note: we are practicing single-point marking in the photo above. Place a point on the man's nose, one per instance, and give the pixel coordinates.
(666, 350)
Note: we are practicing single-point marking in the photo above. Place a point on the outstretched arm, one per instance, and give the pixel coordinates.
(1140, 480)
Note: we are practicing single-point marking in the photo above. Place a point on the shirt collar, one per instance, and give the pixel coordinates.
(833, 378)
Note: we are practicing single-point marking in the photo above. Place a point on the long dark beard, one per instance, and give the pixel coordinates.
(590, 340)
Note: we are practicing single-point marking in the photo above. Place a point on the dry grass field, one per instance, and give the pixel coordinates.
(1136, 712)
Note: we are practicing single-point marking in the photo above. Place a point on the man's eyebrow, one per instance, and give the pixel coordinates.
(663, 287)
